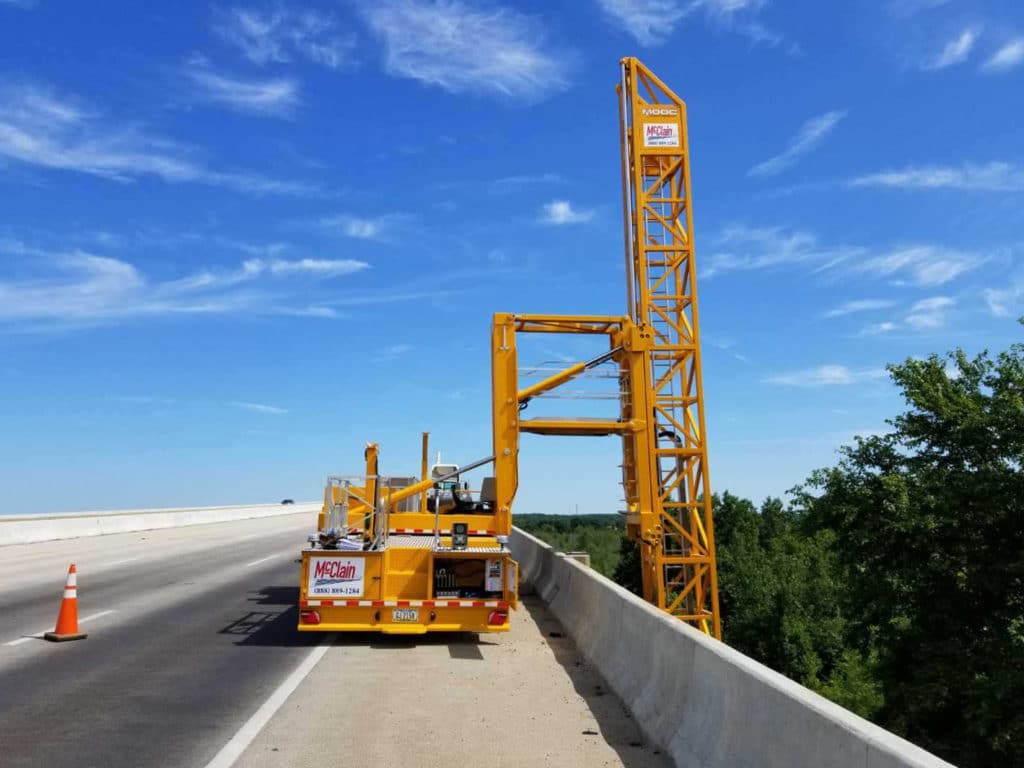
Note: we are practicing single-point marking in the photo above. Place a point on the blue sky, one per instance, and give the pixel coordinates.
(237, 243)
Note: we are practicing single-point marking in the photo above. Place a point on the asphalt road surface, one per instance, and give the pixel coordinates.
(193, 659)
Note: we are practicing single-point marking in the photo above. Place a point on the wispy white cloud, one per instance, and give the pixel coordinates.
(145, 400)
(392, 352)
(516, 183)
(825, 376)
(40, 129)
(501, 185)
(266, 37)
(1007, 301)
(728, 346)
(66, 289)
(742, 248)
(933, 304)
(924, 266)
(463, 48)
(96, 284)
(317, 267)
(877, 329)
(652, 22)
(904, 8)
(991, 177)
(327, 313)
(955, 51)
(259, 408)
(859, 305)
(562, 212)
(929, 314)
(811, 135)
(924, 315)
(1006, 58)
(363, 227)
(276, 97)
(252, 269)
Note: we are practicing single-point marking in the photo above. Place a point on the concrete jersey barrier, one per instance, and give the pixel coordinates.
(705, 704)
(26, 529)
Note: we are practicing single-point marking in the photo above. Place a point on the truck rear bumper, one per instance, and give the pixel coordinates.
(403, 617)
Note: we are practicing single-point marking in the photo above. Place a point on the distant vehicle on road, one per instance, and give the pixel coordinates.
(287, 501)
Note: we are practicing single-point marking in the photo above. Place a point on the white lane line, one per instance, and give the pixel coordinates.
(262, 560)
(120, 562)
(245, 735)
(38, 635)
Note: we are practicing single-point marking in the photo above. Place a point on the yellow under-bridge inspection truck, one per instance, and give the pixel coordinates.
(406, 555)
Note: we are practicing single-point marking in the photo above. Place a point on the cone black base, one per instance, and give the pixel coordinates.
(54, 637)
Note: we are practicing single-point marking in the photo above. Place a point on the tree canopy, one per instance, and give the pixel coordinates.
(892, 582)
(927, 526)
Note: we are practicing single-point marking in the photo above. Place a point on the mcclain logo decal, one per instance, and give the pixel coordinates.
(331, 571)
(336, 577)
(661, 135)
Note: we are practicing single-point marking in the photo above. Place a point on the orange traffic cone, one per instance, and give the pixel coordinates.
(67, 619)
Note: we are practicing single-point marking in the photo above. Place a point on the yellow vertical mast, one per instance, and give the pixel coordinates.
(672, 521)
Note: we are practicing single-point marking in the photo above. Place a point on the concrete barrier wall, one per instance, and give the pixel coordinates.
(30, 528)
(705, 704)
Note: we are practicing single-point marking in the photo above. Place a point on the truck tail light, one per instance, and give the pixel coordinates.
(309, 617)
(497, 618)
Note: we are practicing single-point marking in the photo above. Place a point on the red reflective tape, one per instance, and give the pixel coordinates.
(428, 603)
(327, 602)
(403, 604)
(377, 603)
(478, 603)
(303, 603)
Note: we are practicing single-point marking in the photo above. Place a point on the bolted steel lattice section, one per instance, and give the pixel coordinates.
(674, 526)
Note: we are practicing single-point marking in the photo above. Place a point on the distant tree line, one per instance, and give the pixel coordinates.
(893, 582)
(600, 536)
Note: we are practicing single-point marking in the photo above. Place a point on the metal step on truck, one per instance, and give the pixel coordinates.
(407, 555)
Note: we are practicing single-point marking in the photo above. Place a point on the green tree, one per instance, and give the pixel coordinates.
(781, 600)
(627, 571)
(927, 526)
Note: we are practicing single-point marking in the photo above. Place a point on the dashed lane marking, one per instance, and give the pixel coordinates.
(120, 562)
(38, 635)
(262, 560)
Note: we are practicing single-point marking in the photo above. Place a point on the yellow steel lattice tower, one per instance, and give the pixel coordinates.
(665, 473)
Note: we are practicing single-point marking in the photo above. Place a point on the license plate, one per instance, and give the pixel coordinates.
(405, 614)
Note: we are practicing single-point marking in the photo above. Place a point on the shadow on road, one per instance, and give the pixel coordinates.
(271, 620)
(461, 645)
(274, 615)
(615, 722)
